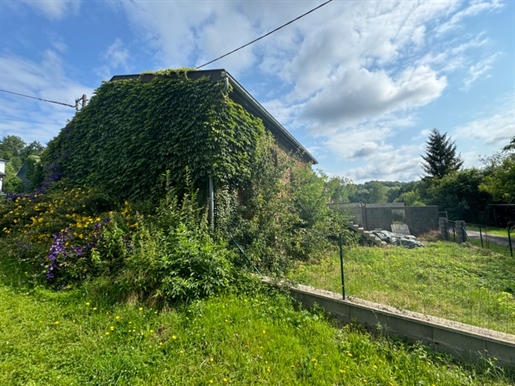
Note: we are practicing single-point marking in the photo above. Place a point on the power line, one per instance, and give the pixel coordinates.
(40, 99)
(23, 120)
(265, 35)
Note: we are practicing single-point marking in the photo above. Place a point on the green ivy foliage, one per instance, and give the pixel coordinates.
(133, 131)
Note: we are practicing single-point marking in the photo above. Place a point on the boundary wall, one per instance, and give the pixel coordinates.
(463, 341)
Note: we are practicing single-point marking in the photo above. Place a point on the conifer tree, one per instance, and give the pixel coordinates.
(440, 158)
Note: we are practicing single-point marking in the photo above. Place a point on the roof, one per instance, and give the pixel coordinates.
(243, 97)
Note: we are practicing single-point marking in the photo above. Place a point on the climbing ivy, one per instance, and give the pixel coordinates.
(133, 131)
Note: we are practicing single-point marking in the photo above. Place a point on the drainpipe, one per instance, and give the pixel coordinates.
(211, 204)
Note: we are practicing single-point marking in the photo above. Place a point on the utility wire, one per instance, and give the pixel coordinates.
(40, 99)
(23, 120)
(265, 35)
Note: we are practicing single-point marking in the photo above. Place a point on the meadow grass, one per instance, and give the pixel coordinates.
(488, 244)
(457, 282)
(253, 337)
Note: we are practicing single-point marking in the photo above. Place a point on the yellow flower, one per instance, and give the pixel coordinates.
(182, 351)
(107, 332)
(151, 331)
(111, 328)
(94, 308)
(56, 322)
(211, 359)
(264, 332)
(141, 308)
(174, 337)
(117, 317)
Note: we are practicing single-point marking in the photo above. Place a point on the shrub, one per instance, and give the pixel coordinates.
(175, 257)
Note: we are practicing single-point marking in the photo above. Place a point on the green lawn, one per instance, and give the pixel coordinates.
(457, 282)
(253, 337)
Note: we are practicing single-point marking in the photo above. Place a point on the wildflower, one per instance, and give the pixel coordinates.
(117, 317)
(94, 308)
(210, 381)
(349, 354)
(151, 331)
(87, 303)
(211, 359)
(182, 351)
(342, 371)
(56, 322)
(141, 308)
(225, 379)
(264, 332)
(107, 332)
(111, 328)
(174, 337)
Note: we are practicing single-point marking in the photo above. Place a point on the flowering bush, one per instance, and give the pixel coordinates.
(69, 233)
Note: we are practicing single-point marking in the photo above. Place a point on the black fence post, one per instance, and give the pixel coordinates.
(481, 236)
(509, 241)
(341, 265)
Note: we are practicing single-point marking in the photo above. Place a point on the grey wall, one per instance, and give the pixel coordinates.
(420, 219)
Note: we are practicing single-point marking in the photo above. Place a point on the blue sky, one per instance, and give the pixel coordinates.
(359, 83)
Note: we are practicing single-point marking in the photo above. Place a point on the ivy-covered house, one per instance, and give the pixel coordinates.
(193, 125)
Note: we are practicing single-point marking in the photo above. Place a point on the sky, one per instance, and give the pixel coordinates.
(360, 84)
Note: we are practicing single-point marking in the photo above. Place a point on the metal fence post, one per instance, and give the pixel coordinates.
(509, 241)
(341, 265)
(481, 235)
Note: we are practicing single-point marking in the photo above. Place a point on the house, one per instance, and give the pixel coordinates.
(196, 126)
(249, 103)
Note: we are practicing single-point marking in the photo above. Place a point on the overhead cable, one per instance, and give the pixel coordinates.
(40, 99)
(265, 35)
(24, 120)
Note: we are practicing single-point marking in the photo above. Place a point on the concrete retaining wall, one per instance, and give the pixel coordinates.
(460, 340)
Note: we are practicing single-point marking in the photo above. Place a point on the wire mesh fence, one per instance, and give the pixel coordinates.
(497, 239)
(445, 280)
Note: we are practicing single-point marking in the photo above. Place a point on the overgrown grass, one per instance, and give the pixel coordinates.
(257, 337)
(489, 244)
(457, 282)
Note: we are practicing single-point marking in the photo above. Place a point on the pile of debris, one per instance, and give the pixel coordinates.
(407, 241)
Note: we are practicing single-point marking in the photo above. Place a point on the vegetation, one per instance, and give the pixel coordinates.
(254, 336)
(17, 153)
(461, 283)
(133, 131)
(440, 158)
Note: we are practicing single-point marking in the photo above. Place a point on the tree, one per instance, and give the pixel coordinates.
(440, 158)
(500, 183)
(459, 194)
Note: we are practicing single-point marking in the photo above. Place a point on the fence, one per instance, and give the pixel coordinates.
(446, 280)
(497, 239)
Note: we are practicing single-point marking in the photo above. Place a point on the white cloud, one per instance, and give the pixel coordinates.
(54, 9)
(472, 8)
(117, 54)
(356, 95)
(46, 79)
(478, 70)
(491, 129)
